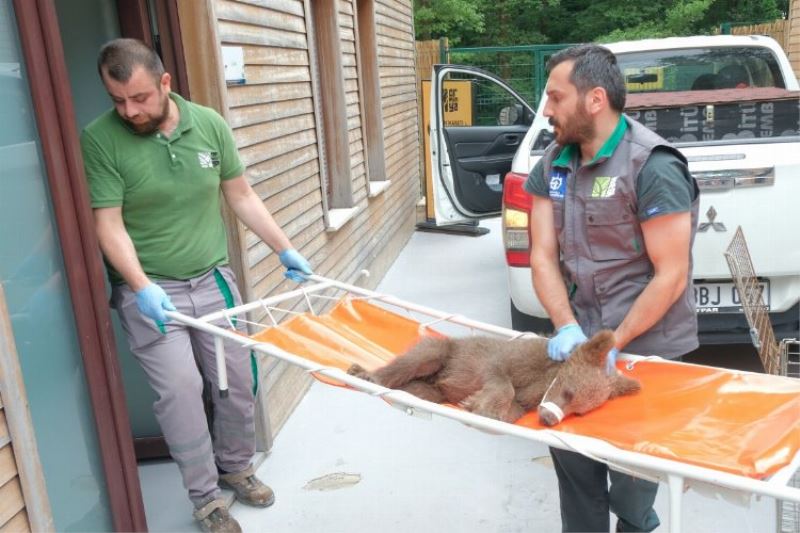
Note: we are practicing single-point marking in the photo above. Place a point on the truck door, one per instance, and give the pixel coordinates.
(477, 124)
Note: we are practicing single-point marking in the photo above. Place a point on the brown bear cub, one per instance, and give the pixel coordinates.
(504, 379)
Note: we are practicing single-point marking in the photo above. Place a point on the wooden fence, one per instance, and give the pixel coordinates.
(428, 54)
(786, 32)
(776, 30)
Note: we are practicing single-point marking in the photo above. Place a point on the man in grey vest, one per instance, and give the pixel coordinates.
(612, 226)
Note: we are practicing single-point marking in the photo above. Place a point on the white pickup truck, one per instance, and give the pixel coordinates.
(728, 103)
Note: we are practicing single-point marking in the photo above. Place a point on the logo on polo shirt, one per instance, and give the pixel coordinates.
(208, 159)
(604, 186)
(558, 184)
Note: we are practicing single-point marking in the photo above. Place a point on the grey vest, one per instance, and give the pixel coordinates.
(603, 256)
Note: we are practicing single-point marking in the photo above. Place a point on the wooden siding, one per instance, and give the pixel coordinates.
(276, 121)
(12, 504)
(394, 21)
(22, 486)
(792, 36)
(11, 501)
(272, 116)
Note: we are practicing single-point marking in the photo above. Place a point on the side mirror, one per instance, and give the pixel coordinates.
(528, 117)
(510, 115)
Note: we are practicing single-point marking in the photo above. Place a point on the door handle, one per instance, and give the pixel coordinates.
(511, 139)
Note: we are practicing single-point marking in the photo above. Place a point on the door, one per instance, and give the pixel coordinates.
(477, 124)
(85, 26)
(34, 274)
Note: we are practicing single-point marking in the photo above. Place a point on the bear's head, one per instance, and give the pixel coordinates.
(583, 383)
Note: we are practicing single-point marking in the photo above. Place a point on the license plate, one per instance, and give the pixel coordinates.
(723, 297)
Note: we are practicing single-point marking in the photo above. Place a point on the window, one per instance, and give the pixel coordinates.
(471, 99)
(700, 69)
(370, 90)
(332, 104)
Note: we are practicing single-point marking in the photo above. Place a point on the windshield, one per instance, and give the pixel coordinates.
(693, 69)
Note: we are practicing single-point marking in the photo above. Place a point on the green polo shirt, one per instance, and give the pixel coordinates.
(664, 185)
(168, 188)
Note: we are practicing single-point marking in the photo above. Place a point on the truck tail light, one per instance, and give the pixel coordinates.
(516, 220)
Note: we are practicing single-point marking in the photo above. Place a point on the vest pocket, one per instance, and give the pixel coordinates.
(611, 229)
(558, 224)
(616, 289)
(558, 214)
(680, 321)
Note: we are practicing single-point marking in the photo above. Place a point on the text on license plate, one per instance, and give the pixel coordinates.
(723, 297)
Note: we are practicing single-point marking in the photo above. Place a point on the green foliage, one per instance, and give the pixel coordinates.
(447, 18)
(746, 11)
(514, 22)
(511, 22)
(686, 17)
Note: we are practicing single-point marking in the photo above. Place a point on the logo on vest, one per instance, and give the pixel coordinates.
(208, 159)
(604, 186)
(558, 184)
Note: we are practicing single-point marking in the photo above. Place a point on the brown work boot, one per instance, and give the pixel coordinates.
(248, 488)
(215, 518)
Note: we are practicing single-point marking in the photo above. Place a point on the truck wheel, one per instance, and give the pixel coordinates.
(524, 322)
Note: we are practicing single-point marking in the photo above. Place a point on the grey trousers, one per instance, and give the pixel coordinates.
(168, 359)
(586, 498)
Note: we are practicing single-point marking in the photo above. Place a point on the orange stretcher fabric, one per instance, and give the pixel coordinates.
(736, 422)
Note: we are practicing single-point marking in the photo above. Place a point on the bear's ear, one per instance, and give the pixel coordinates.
(622, 385)
(596, 349)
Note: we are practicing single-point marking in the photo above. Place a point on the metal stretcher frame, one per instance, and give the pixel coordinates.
(677, 475)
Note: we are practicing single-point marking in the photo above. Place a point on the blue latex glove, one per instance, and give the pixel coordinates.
(611, 361)
(152, 301)
(297, 266)
(565, 340)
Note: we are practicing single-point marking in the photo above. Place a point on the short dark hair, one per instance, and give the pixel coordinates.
(119, 58)
(593, 66)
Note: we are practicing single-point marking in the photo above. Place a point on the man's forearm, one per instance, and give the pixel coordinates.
(549, 286)
(118, 249)
(668, 240)
(254, 214)
(547, 279)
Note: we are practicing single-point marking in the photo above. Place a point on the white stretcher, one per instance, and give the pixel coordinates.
(676, 474)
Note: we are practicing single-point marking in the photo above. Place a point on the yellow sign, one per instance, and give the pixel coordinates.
(644, 79)
(457, 103)
(457, 106)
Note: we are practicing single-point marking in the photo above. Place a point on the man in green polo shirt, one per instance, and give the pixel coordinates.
(612, 226)
(156, 165)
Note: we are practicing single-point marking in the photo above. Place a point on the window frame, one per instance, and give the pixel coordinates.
(370, 87)
(325, 59)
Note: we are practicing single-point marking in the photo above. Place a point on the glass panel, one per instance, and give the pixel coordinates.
(700, 69)
(469, 99)
(85, 26)
(32, 273)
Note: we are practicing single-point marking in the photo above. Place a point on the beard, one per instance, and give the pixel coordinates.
(575, 129)
(153, 122)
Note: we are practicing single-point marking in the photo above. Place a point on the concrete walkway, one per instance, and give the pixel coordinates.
(347, 462)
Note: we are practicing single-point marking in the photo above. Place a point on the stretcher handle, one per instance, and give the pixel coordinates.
(219, 350)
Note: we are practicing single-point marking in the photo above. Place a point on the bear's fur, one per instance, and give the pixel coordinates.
(504, 379)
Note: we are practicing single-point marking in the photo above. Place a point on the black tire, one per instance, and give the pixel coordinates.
(523, 322)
